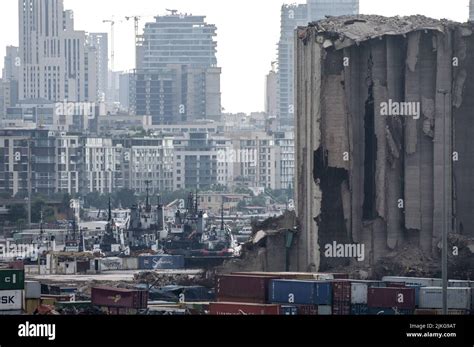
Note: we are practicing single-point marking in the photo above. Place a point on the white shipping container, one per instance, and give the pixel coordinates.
(129, 263)
(32, 290)
(458, 298)
(415, 281)
(111, 264)
(459, 284)
(11, 300)
(359, 293)
(32, 269)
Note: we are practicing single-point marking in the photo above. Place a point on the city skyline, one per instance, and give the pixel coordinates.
(242, 88)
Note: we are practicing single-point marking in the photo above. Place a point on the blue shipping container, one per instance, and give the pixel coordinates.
(359, 310)
(300, 292)
(161, 262)
(417, 293)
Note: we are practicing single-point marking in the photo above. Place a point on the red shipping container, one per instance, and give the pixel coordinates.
(341, 300)
(236, 309)
(403, 298)
(16, 265)
(117, 297)
(242, 288)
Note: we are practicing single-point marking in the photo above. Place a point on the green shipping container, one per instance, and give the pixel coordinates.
(12, 279)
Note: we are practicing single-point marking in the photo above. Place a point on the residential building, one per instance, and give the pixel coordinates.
(177, 78)
(293, 16)
(286, 142)
(69, 163)
(149, 163)
(27, 162)
(257, 161)
(271, 96)
(100, 165)
(99, 43)
(195, 162)
(56, 63)
(471, 10)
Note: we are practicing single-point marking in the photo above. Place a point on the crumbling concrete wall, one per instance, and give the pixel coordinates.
(368, 174)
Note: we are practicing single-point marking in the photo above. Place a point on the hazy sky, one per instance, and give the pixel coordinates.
(247, 32)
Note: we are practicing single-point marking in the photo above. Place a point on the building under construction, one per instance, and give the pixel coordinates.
(384, 135)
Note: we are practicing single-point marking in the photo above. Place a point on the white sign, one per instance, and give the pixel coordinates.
(10, 300)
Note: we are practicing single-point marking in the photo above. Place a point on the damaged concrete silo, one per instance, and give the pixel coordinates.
(372, 95)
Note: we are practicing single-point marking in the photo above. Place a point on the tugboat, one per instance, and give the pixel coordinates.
(145, 226)
(189, 236)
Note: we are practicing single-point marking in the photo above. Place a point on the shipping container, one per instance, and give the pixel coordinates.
(307, 310)
(458, 298)
(304, 276)
(459, 284)
(325, 310)
(12, 279)
(243, 288)
(301, 292)
(116, 297)
(341, 291)
(32, 269)
(424, 282)
(226, 308)
(16, 265)
(341, 298)
(161, 262)
(11, 300)
(289, 310)
(32, 290)
(130, 263)
(359, 290)
(401, 298)
(110, 264)
(384, 311)
(359, 310)
(31, 305)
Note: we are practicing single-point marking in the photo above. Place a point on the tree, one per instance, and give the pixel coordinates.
(17, 213)
(96, 200)
(124, 198)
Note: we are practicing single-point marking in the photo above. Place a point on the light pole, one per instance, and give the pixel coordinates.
(444, 252)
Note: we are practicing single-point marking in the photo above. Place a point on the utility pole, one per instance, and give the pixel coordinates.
(444, 255)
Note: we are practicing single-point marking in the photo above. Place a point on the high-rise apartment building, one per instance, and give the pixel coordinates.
(99, 43)
(56, 63)
(471, 10)
(177, 78)
(293, 16)
(271, 93)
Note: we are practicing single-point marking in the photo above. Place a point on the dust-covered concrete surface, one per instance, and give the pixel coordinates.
(384, 108)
